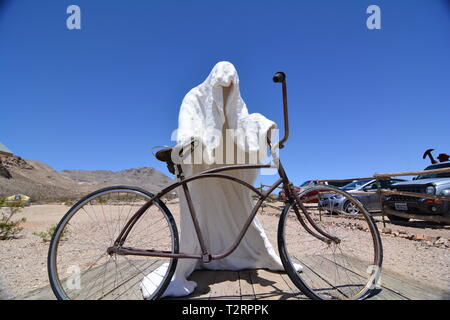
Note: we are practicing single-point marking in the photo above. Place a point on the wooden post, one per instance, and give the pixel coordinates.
(411, 173)
(383, 216)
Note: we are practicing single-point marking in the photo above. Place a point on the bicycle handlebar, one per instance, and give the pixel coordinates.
(281, 77)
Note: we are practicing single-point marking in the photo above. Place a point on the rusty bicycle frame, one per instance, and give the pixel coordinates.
(206, 256)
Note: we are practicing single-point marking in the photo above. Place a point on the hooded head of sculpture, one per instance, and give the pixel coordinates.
(223, 74)
(225, 96)
(215, 114)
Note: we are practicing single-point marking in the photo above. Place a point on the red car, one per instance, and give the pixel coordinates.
(303, 186)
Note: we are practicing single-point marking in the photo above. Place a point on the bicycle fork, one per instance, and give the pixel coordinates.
(295, 202)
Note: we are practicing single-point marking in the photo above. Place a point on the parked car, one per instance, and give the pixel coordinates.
(437, 184)
(303, 186)
(18, 200)
(339, 204)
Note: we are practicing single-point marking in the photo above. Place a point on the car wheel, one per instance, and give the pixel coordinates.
(351, 208)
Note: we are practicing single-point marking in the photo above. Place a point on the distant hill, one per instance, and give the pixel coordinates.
(41, 182)
(147, 178)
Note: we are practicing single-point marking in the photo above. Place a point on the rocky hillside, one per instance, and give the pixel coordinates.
(41, 182)
(147, 178)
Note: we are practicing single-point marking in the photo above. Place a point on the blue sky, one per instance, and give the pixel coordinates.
(361, 101)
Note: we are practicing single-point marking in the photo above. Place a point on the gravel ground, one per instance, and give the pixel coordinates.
(23, 261)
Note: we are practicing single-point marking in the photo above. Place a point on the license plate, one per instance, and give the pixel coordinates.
(401, 206)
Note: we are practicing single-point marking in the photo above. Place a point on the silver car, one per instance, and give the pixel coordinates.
(337, 203)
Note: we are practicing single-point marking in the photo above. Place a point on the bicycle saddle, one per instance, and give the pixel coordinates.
(165, 155)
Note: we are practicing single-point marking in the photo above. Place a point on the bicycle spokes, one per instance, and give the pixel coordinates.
(82, 263)
(346, 267)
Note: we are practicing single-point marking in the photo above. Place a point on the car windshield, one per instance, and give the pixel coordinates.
(354, 185)
(436, 175)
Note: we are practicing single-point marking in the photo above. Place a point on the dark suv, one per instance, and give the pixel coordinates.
(437, 184)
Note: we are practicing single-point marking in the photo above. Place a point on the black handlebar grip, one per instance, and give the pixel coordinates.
(279, 77)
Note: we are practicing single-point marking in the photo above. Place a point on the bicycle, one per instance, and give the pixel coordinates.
(98, 255)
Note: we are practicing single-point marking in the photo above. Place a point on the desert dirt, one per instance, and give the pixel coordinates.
(23, 261)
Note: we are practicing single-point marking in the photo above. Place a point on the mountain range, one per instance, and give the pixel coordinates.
(41, 182)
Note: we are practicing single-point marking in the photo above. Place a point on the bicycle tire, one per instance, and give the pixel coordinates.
(308, 281)
(52, 267)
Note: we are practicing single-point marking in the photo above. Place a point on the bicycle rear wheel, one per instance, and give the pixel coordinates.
(79, 266)
(347, 268)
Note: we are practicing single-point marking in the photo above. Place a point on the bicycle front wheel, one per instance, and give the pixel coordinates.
(81, 268)
(329, 251)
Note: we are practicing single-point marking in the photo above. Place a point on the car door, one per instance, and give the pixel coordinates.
(371, 200)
